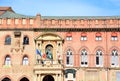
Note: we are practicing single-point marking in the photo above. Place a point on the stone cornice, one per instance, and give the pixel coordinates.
(63, 29)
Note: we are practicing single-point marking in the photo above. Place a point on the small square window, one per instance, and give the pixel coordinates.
(83, 38)
(98, 38)
(114, 38)
(69, 38)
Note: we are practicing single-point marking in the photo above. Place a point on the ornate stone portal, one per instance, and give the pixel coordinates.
(48, 58)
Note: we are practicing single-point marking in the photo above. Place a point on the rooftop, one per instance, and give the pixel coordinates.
(7, 12)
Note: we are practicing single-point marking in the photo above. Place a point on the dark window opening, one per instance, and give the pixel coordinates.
(8, 40)
(25, 40)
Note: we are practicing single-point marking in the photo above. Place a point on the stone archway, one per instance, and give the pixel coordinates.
(48, 78)
(6, 79)
(24, 79)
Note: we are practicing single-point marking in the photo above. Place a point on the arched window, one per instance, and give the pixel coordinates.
(25, 60)
(84, 58)
(7, 40)
(114, 58)
(7, 60)
(25, 40)
(99, 58)
(69, 57)
(6, 79)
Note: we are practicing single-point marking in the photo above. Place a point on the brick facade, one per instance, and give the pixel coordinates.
(84, 48)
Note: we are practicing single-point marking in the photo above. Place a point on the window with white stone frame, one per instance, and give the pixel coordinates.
(25, 60)
(69, 36)
(84, 58)
(69, 58)
(8, 40)
(114, 58)
(83, 36)
(114, 36)
(99, 58)
(7, 60)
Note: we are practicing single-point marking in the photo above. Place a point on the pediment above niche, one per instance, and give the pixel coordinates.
(49, 36)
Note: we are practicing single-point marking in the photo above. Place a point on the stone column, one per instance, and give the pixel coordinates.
(60, 78)
(56, 79)
(35, 78)
(38, 77)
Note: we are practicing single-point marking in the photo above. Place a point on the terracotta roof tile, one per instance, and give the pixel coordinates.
(4, 9)
(1, 12)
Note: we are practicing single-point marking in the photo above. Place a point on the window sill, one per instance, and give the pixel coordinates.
(6, 66)
(69, 65)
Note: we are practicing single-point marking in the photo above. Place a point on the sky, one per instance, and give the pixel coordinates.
(65, 7)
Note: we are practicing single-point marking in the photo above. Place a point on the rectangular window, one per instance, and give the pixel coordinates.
(97, 60)
(114, 38)
(8, 21)
(23, 21)
(83, 38)
(68, 62)
(53, 22)
(98, 38)
(16, 21)
(67, 22)
(96, 21)
(82, 21)
(31, 21)
(69, 38)
(84, 60)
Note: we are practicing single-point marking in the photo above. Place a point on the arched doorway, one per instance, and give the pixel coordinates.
(6, 79)
(24, 79)
(48, 78)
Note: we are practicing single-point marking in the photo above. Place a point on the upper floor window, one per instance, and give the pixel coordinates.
(99, 58)
(23, 21)
(114, 58)
(98, 36)
(7, 60)
(25, 60)
(82, 21)
(53, 22)
(96, 21)
(67, 22)
(114, 36)
(83, 36)
(69, 36)
(84, 58)
(7, 40)
(8, 21)
(69, 57)
(31, 21)
(16, 21)
(25, 40)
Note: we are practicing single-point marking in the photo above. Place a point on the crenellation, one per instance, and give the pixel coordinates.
(74, 23)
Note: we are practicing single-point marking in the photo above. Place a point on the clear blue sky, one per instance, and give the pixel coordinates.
(64, 7)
